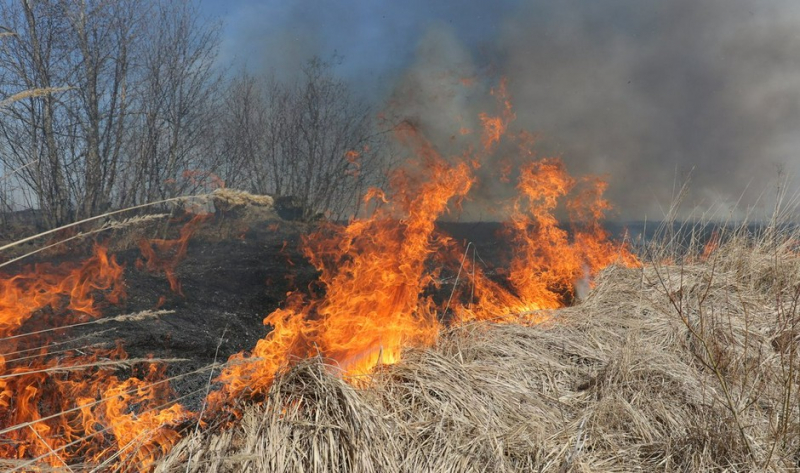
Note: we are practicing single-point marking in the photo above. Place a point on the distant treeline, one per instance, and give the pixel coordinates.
(107, 105)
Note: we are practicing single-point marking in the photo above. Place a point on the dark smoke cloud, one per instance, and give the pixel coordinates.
(645, 92)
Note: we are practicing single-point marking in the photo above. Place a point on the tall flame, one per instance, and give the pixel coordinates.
(372, 274)
(546, 260)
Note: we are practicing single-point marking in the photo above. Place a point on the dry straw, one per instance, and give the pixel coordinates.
(31, 93)
(687, 366)
(689, 363)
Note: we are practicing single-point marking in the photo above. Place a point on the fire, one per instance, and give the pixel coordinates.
(205, 179)
(373, 274)
(56, 287)
(494, 127)
(711, 246)
(136, 415)
(373, 298)
(70, 405)
(161, 255)
(353, 158)
(546, 261)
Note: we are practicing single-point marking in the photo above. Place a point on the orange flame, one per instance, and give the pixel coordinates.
(59, 409)
(495, 127)
(547, 261)
(162, 255)
(22, 295)
(205, 179)
(711, 246)
(372, 272)
(353, 158)
(373, 300)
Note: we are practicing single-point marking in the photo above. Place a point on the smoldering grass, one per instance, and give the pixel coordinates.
(104, 400)
(107, 226)
(100, 364)
(173, 200)
(208, 390)
(72, 349)
(35, 462)
(687, 363)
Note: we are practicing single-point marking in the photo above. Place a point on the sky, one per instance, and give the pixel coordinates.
(647, 93)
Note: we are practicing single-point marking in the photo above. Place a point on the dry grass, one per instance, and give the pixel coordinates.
(682, 367)
(226, 199)
(30, 93)
(690, 363)
(238, 210)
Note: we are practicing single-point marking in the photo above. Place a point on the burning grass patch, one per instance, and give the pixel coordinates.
(689, 367)
(685, 365)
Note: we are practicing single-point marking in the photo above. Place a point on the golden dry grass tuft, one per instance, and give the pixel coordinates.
(225, 198)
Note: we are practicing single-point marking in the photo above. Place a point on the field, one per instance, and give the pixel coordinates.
(246, 236)
(685, 362)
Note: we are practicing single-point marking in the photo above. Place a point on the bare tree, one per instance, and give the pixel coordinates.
(30, 126)
(135, 112)
(243, 130)
(310, 141)
(177, 106)
(132, 91)
(103, 35)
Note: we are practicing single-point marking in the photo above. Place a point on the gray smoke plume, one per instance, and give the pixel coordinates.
(648, 93)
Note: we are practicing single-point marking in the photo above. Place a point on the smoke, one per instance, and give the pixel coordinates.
(442, 95)
(649, 94)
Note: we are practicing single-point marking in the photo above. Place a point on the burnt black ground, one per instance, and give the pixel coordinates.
(228, 287)
(229, 284)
